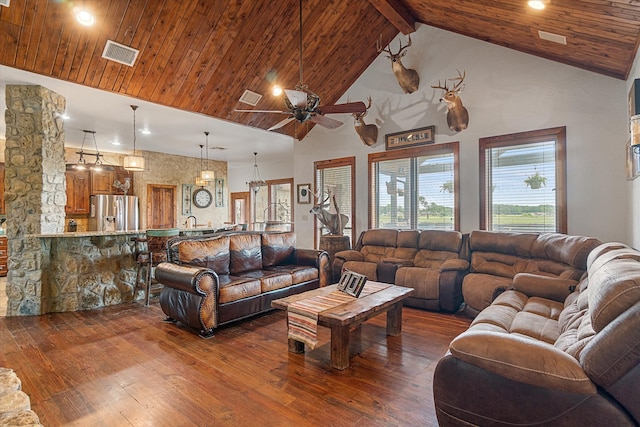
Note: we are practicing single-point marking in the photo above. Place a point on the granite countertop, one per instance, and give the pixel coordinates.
(113, 233)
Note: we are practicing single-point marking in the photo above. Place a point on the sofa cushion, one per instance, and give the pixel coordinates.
(270, 280)
(232, 288)
(245, 251)
(613, 288)
(277, 248)
(209, 253)
(570, 250)
(299, 273)
(441, 241)
(517, 244)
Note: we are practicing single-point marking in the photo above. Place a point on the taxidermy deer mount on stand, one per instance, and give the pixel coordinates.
(407, 77)
(334, 222)
(368, 132)
(457, 114)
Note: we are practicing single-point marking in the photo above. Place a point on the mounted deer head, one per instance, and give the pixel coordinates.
(368, 132)
(457, 115)
(335, 222)
(407, 78)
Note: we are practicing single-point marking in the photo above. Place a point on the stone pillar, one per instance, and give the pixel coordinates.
(35, 194)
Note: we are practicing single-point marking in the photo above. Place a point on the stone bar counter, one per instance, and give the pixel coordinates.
(77, 271)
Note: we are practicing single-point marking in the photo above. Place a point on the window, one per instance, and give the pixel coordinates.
(272, 205)
(415, 188)
(523, 182)
(336, 177)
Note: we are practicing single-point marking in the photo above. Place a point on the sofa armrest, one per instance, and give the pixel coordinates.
(455, 265)
(522, 359)
(187, 278)
(349, 255)
(315, 258)
(553, 288)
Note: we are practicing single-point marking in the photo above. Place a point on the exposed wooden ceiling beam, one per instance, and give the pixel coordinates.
(397, 14)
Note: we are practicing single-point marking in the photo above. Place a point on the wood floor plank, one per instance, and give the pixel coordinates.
(123, 366)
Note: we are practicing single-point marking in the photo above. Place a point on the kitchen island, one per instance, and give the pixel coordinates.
(80, 270)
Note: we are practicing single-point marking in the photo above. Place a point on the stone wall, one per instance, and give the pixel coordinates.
(89, 272)
(34, 189)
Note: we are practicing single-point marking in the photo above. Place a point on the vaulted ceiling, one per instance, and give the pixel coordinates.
(201, 55)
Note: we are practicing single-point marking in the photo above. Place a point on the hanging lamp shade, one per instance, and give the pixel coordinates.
(256, 180)
(134, 162)
(207, 174)
(199, 181)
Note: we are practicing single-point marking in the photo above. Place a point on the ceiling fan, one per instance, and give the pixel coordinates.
(303, 105)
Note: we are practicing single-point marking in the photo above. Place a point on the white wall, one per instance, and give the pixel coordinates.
(633, 187)
(506, 92)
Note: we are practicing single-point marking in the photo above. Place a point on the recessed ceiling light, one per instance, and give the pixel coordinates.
(84, 17)
(64, 117)
(115, 142)
(145, 131)
(277, 91)
(538, 4)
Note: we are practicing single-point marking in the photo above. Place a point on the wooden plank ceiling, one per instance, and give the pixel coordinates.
(201, 55)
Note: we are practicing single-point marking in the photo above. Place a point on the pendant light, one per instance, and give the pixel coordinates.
(256, 181)
(207, 174)
(82, 162)
(199, 181)
(133, 162)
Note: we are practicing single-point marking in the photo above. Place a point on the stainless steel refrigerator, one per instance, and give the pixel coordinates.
(111, 212)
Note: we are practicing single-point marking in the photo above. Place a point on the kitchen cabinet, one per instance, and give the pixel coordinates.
(3, 256)
(102, 182)
(77, 192)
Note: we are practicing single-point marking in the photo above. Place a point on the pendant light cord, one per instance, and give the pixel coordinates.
(134, 108)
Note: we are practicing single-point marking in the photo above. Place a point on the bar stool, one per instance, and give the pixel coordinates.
(151, 250)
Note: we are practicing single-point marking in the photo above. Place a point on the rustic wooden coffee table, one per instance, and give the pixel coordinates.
(340, 319)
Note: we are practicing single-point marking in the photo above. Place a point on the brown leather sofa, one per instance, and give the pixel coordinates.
(542, 354)
(216, 279)
(497, 257)
(429, 261)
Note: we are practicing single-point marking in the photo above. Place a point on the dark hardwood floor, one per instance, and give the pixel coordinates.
(123, 366)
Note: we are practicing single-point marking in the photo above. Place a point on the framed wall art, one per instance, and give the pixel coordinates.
(219, 196)
(410, 138)
(304, 194)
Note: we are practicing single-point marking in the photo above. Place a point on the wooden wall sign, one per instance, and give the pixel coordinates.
(411, 138)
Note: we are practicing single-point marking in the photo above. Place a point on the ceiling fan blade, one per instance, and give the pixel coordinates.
(262, 111)
(326, 121)
(281, 123)
(297, 98)
(349, 107)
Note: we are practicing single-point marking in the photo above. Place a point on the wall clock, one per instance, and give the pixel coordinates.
(202, 198)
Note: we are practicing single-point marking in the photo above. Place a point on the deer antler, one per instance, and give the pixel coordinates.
(445, 88)
(403, 48)
(460, 79)
(380, 48)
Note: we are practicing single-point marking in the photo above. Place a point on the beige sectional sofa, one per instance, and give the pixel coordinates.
(498, 257)
(541, 354)
(429, 261)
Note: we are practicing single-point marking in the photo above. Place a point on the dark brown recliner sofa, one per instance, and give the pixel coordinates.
(542, 354)
(428, 261)
(213, 280)
(497, 257)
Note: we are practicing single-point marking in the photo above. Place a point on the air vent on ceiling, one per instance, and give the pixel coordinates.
(250, 98)
(556, 38)
(120, 53)
(4, 3)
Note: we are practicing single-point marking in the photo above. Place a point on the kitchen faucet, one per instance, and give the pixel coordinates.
(195, 222)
